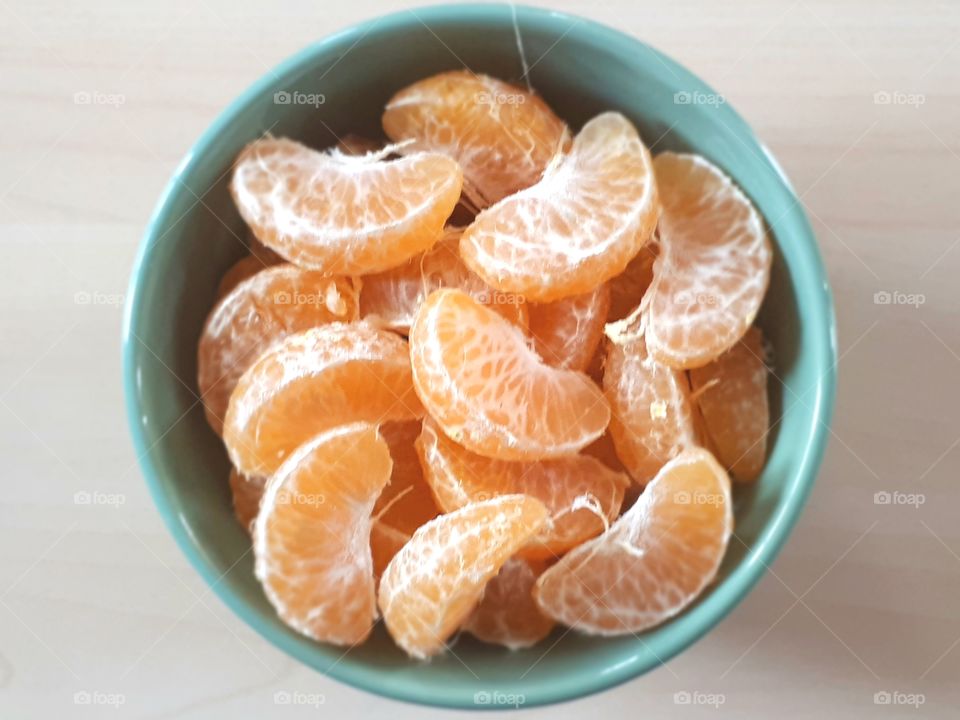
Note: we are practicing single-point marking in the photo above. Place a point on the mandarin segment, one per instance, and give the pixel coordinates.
(507, 615)
(502, 135)
(313, 381)
(245, 267)
(257, 313)
(653, 418)
(311, 539)
(731, 393)
(628, 288)
(654, 561)
(567, 332)
(582, 494)
(436, 580)
(343, 214)
(394, 295)
(580, 225)
(489, 391)
(246, 492)
(714, 264)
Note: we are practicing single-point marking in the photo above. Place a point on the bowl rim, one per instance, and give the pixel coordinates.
(711, 610)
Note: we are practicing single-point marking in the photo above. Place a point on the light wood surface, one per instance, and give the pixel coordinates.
(96, 598)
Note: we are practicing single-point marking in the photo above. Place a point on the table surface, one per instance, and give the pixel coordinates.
(97, 599)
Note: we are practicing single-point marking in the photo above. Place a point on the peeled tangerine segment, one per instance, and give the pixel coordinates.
(714, 264)
(654, 561)
(582, 494)
(731, 393)
(567, 332)
(343, 214)
(311, 382)
(394, 295)
(259, 311)
(406, 502)
(311, 540)
(246, 492)
(436, 580)
(502, 135)
(579, 226)
(489, 391)
(245, 267)
(653, 418)
(507, 615)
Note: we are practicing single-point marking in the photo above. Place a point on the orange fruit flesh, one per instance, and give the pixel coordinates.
(437, 579)
(653, 418)
(246, 493)
(394, 295)
(507, 615)
(310, 382)
(311, 539)
(731, 394)
(343, 214)
(245, 267)
(567, 332)
(502, 135)
(713, 268)
(654, 561)
(257, 313)
(579, 226)
(581, 493)
(628, 288)
(489, 391)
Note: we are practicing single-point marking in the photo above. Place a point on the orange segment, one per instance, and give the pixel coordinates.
(502, 135)
(246, 492)
(628, 288)
(311, 539)
(731, 393)
(394, 295)
(654, 561)
(507, 615)
(406, 502)
(311, 382)
(580, 492)
(567, 332)
(245, 267)
(339, 213)
(489, 391)
(579, 226)
(436, 580)
(261, 310)
(652, 415)
(352, 144)
(714, 264)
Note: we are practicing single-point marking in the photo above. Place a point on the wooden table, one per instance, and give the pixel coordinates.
(858, 100)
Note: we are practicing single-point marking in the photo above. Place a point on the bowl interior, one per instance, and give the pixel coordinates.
(581, 69)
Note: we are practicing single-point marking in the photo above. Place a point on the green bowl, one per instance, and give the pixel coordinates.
(581, 69)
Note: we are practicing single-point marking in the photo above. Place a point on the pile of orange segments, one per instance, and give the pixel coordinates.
(490, 377)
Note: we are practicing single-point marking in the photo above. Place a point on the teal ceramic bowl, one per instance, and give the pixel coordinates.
(581, 69)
